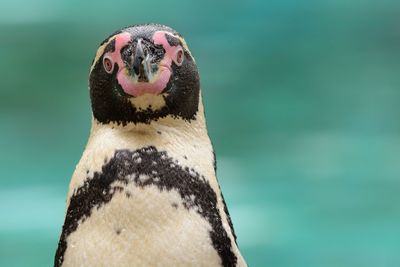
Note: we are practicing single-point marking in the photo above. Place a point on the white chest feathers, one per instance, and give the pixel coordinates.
(149, 206)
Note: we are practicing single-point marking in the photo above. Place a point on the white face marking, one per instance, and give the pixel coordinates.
(148, 101)
(100, 52)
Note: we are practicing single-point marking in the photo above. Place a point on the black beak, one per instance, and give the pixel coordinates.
(140, 63)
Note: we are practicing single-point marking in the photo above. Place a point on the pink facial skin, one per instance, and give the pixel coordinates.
(159, 82)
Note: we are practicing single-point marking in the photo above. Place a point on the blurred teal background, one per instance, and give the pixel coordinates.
(302, 100)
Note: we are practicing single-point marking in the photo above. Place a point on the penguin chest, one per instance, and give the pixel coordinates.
(142, 209)
(148, 228)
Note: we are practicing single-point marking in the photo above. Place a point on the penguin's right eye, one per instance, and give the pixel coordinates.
(108, 64)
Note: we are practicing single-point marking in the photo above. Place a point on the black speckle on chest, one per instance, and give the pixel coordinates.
(147, 167)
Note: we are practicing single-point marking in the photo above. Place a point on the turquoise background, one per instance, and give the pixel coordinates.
(302, 101)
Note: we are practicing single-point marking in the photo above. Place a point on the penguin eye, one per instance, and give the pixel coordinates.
(179, 57)
(108, 64)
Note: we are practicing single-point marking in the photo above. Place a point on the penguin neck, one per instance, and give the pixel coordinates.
(169, 124)
(184, 140)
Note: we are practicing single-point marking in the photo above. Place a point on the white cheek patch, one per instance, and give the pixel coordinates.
(148, 101)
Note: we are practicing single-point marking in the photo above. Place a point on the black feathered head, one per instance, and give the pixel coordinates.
(142, 73)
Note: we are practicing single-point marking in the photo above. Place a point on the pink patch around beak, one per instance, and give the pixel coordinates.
(159, 81)
(134, 88)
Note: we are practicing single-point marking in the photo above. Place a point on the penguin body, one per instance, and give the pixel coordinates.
(145, 191)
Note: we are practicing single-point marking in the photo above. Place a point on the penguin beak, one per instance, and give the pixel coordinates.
(141, 63)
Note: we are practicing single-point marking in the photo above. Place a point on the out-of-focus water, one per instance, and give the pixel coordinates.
(302, 101)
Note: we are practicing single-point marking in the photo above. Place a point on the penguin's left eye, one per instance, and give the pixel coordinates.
(108, 64)
(179, 57)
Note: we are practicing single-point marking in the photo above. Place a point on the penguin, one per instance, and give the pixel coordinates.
(145, 191)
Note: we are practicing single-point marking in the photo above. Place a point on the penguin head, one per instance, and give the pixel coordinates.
(142, 73)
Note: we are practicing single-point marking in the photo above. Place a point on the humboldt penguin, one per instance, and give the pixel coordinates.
(145, 192)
